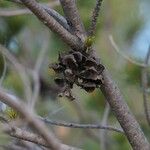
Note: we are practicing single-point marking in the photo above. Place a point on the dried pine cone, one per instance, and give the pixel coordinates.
(77, 68)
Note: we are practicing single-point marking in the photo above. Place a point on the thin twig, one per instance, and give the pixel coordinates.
(95, 17)
(20, 69)
(103, 134)
(124, 55)
(36, 71)
(81, 126)
(145, 86)
(83, 116)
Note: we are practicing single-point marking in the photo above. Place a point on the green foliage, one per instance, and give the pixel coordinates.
(119, 142)
(95, 101)
(15, 24)
(13, 82)
(11, 114)
(10, 26)
(89, 41)
(133, 73)
(57, 46)
(89, 145)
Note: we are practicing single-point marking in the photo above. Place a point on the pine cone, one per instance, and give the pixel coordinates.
(77, 68)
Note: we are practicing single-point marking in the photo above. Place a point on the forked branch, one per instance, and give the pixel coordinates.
(73, 41)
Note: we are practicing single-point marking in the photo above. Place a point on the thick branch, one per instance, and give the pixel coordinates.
(35, 123)
(49, 21)
(123, 114)
(31, 137)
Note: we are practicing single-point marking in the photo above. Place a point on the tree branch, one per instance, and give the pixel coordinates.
(103, 134)
(31, 137)
(121, 110)
(145, 86)
(112, 93)
(35, 74)
(73, 18)
(82, 126)
(31, 119)
(50, 22)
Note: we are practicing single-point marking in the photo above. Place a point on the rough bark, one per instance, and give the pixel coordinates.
(121, 110)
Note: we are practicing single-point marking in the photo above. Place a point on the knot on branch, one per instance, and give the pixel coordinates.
(77, 68)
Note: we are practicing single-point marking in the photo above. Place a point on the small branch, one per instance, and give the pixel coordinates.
(95, 17)
(145, 86)
(73, 17)
(82, 126)
(103, 134)
(31, 119)
(31, 137)
(124, 55)
(50, 22)
(36, 72)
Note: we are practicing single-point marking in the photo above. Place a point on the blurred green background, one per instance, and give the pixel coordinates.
(129, 24)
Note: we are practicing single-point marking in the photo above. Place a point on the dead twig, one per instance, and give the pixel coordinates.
(81, 126)
(124, 55)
